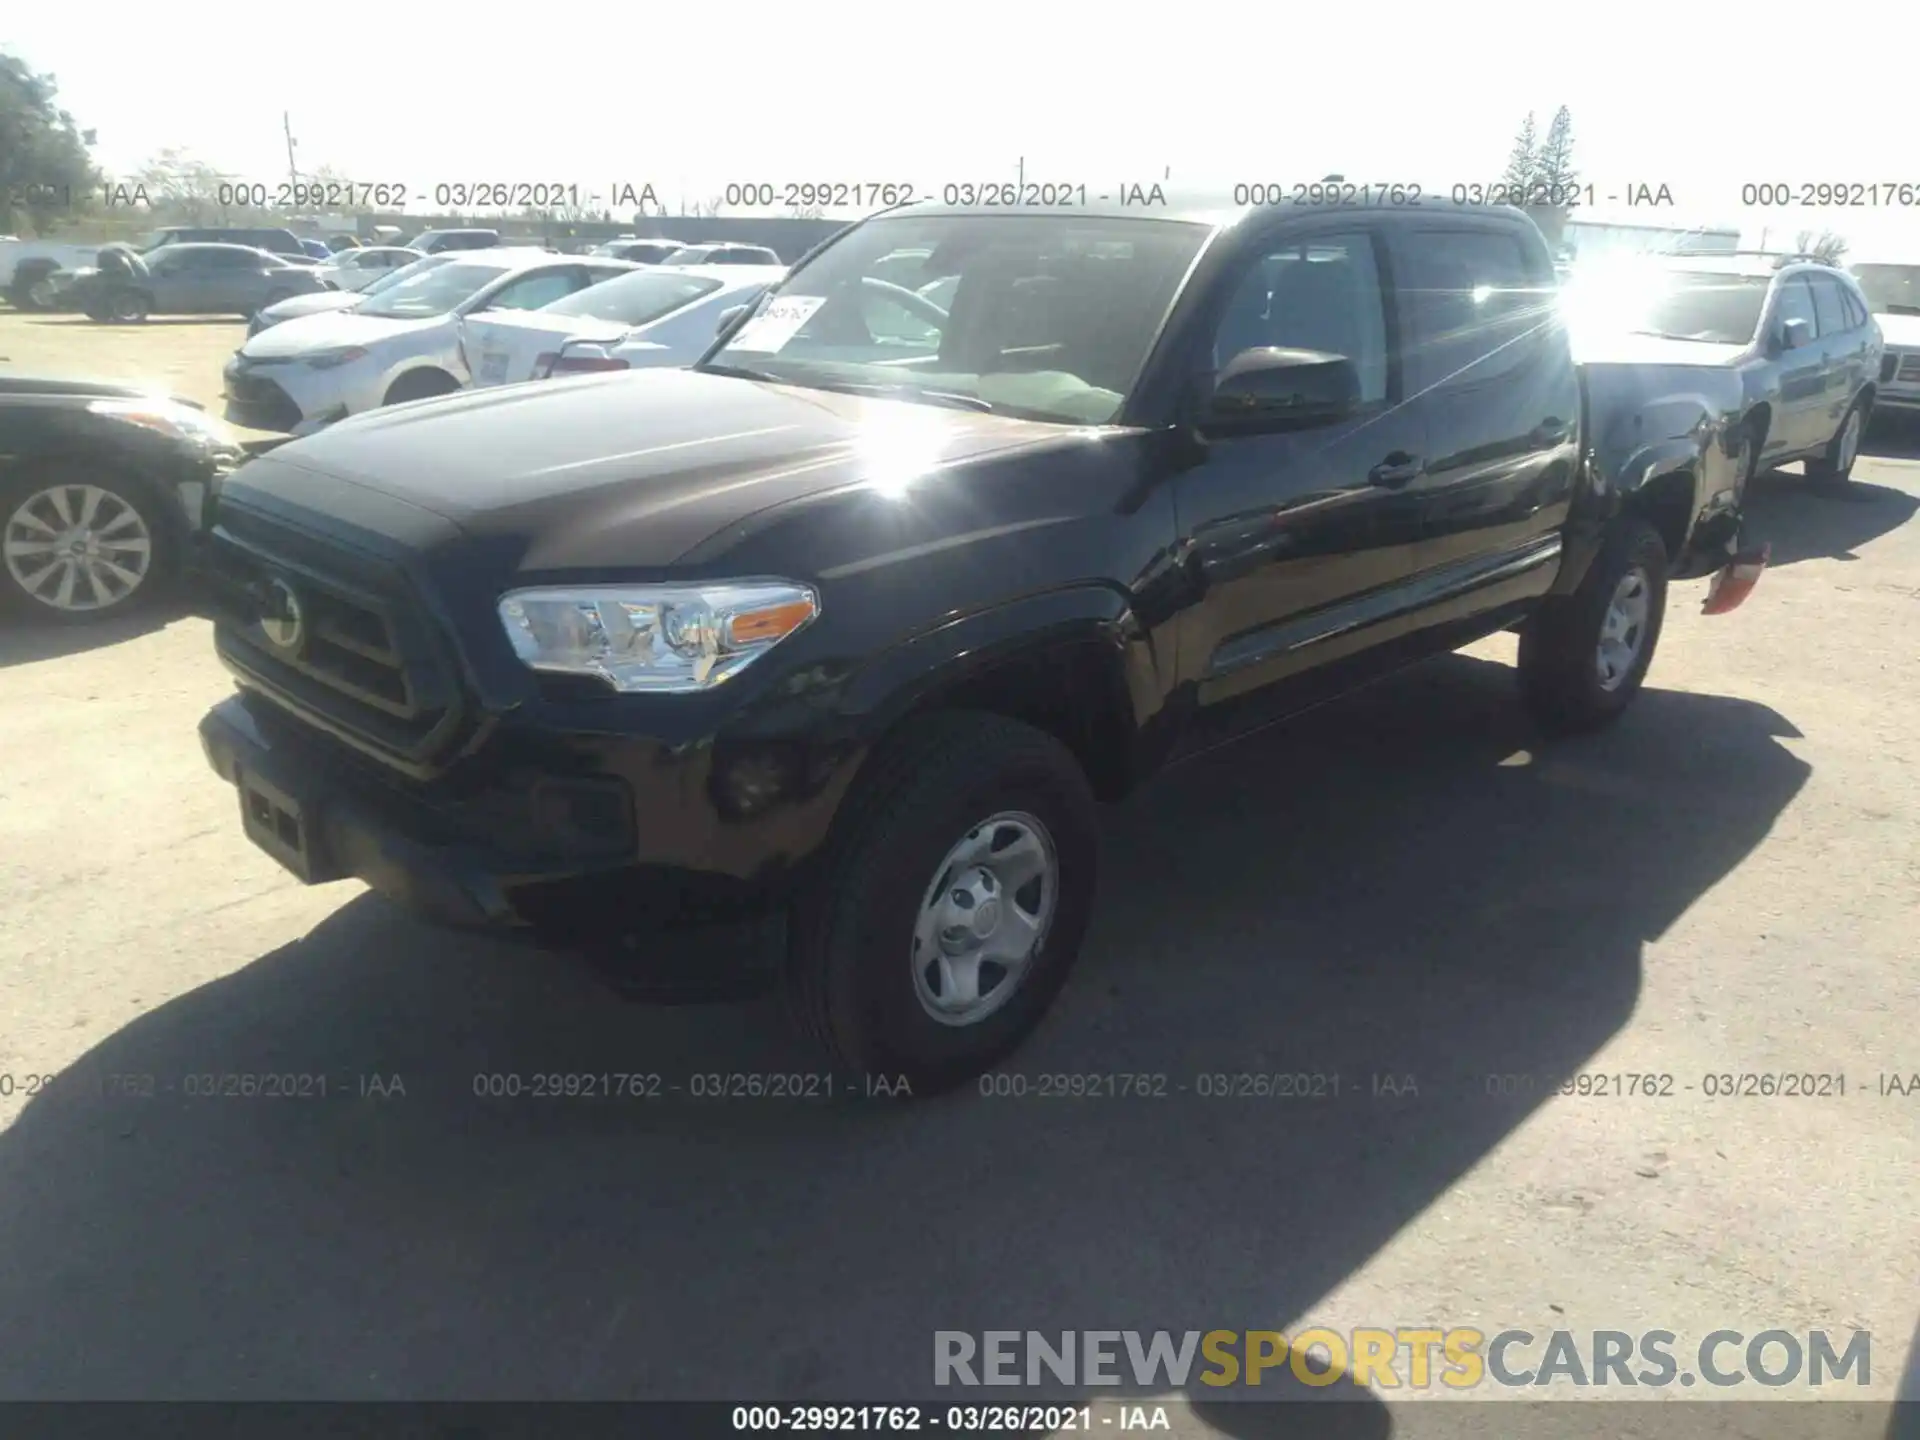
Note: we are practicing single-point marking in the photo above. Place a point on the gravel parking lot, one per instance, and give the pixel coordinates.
(1406, 884)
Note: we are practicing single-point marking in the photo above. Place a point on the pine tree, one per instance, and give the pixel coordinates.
(1525, 156)
(1555, 172)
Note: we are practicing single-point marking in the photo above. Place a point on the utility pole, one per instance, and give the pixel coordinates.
(286, 124)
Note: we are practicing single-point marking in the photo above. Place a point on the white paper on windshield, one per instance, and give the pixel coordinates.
(774, 326)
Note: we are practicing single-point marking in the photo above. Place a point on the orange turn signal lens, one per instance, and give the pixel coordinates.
(775, 622)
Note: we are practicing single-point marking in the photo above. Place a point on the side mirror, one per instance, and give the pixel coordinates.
(1271, 389)
(1796, 333)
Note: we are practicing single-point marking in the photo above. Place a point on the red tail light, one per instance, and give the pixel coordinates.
(549, 366)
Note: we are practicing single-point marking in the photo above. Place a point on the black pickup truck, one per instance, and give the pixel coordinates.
(841, 634)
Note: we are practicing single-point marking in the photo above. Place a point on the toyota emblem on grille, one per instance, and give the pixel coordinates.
(281, 618)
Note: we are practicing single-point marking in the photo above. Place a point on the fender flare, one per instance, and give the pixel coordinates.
(942, 659)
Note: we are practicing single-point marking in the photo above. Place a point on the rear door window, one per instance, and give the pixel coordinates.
(1829, 306)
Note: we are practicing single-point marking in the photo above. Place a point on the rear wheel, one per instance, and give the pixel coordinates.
(951, 905)
(1583, 656)
(1833, 470)
(80, 544)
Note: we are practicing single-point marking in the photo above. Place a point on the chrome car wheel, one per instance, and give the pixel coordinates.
(984, 917)
(76, 548)
(41, 292)
(1624, 629)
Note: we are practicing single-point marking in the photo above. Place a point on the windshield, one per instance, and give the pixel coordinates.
(1890, 289)
(636, 299)
(433, 291)
(1049, 316)
(1708, 306)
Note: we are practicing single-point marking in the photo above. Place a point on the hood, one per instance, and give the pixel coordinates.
(1619, 348)
(622, 471)
(1901, 330)
(329, 330)
(318, 303)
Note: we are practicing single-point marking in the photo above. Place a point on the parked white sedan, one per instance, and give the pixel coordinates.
(656, 316)
(326, 301)
(402, 344)
(357, 269)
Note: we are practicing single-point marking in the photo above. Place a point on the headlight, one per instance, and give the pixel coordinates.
(672, 639)
(183, 422)
(327, 359)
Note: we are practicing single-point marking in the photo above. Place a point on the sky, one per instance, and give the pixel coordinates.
(847, 91)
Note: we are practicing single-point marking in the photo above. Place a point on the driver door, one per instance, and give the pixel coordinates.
(1300, 543)
(1803, 376)
(184, 286)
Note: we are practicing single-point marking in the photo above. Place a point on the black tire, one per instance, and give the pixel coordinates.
(18, 590)
(420, 385)
(850, 966)
(95, 314)
(25, 276)
(1832, 470)
(128, 307)
(1560, 672)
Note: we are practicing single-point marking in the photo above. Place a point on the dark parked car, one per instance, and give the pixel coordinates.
(839, 635)
(271, 239)
(187, 280)
(102, 492)
(1796, 332)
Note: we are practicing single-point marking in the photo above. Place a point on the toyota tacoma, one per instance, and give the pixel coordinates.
(835, 640)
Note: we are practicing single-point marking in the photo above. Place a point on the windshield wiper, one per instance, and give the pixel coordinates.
(741, 372)
(951, 398)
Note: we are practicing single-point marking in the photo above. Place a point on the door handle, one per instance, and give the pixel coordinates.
(1396, 470)
(1551, 432)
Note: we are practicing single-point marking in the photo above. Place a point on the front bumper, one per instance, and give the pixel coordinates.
(290, 396)
(546, 856)
(1905, 401)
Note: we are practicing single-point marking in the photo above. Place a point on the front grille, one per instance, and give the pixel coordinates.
(1888, 364)
(1909, 373)
(364, 661)
(260, 403)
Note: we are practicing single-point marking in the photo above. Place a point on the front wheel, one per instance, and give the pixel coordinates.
(1583, 656)
(951, 904)
(81, 544)
(128, 306)
(1833, 469)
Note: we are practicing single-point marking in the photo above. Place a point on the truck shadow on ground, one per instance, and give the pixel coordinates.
(1800, 523)
(1404, 884)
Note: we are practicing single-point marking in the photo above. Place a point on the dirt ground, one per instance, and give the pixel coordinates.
(1408, 884)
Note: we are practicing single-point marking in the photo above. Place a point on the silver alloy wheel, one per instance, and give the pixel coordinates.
(78, 547)
(984, 917)
(1624, 630)
(40, 292)
(126, 306)
(1849, 441)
